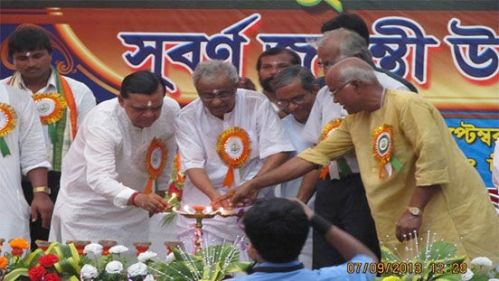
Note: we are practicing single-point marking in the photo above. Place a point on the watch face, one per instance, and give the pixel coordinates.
(415, 211)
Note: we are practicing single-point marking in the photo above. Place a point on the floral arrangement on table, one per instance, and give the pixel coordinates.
(94, 262)
(437, 261)
(212, 263)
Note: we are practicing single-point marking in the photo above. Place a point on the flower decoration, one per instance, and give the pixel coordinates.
(4, 262)
(93, 248)
(51, 277)
(155, 162)
(18, 246)
(481, 261)
(234, 148)
(88, 272)
(48, 260)
(146, 256)
(114, 267)
(50, 106)
(137, 269)
(118, 249)
(37, 273)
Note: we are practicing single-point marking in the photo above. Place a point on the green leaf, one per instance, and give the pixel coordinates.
(16, 273)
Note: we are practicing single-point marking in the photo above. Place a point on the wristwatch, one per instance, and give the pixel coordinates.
(43, 189)
(415, 211)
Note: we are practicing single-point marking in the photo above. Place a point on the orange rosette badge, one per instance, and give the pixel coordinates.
(234, 148)
(50, 106)
(155, 162)
(383, 149)
(8, 120)
(325, 133)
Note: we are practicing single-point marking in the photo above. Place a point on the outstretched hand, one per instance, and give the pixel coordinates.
(244, 194)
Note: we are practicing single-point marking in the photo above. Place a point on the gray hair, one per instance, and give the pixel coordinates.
(292, 73)
(363, 73)
(212, 69)
(350, 44)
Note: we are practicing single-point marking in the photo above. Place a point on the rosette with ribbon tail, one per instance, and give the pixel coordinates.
(8, 120)
(51, 108)
(155, 163)
(383, 151)
(234, 148)
(326, 131)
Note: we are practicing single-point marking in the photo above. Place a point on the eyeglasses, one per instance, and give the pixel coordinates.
(299, 100)
(221, 94)
(334, 92)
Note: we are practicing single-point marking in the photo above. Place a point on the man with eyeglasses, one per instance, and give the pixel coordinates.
(295, 91)
(225, 137)
(340, 192)
(268, 65)
(418, 182)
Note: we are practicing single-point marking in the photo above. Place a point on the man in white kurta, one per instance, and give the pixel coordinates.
(62, 102)
(27, 155)
(106, 166)
(221, 106)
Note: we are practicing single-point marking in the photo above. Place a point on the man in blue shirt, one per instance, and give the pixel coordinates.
(277, 229)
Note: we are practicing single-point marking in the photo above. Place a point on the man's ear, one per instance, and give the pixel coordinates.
(315, 88)
(121, 100)
(252, 252)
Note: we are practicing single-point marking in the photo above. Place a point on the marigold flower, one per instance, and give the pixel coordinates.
(36, 273)
(19, 243)
(4, 262)
(48, 260)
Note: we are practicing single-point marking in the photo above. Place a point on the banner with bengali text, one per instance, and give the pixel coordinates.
(451, 56)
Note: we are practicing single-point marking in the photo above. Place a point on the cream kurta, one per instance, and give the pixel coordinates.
(197, 132)
(461, 212)
(27, 152)
(102, 169)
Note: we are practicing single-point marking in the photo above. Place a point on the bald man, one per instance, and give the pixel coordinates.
(416, 178)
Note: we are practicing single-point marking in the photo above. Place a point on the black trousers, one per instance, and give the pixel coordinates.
(37, 232)
(344, 204)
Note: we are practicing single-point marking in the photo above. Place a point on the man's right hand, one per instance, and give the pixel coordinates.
(244, 194)
(151, 202)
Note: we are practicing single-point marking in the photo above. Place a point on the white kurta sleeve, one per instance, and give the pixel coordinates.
(86, 104)
(189, 143)
(33, 151)
(99, 154)
(272, 137)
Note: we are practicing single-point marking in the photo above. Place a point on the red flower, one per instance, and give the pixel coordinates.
(51, 277)
(36, 273)
(48, 260)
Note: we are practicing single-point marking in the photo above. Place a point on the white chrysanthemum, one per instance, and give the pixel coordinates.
(118, 249)
(482, 261)
(88, 271)
(137, 269)
(147, 255)
(467, 275)
(93, 248)
(114, 267)
(149, 278)
(493, 279)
